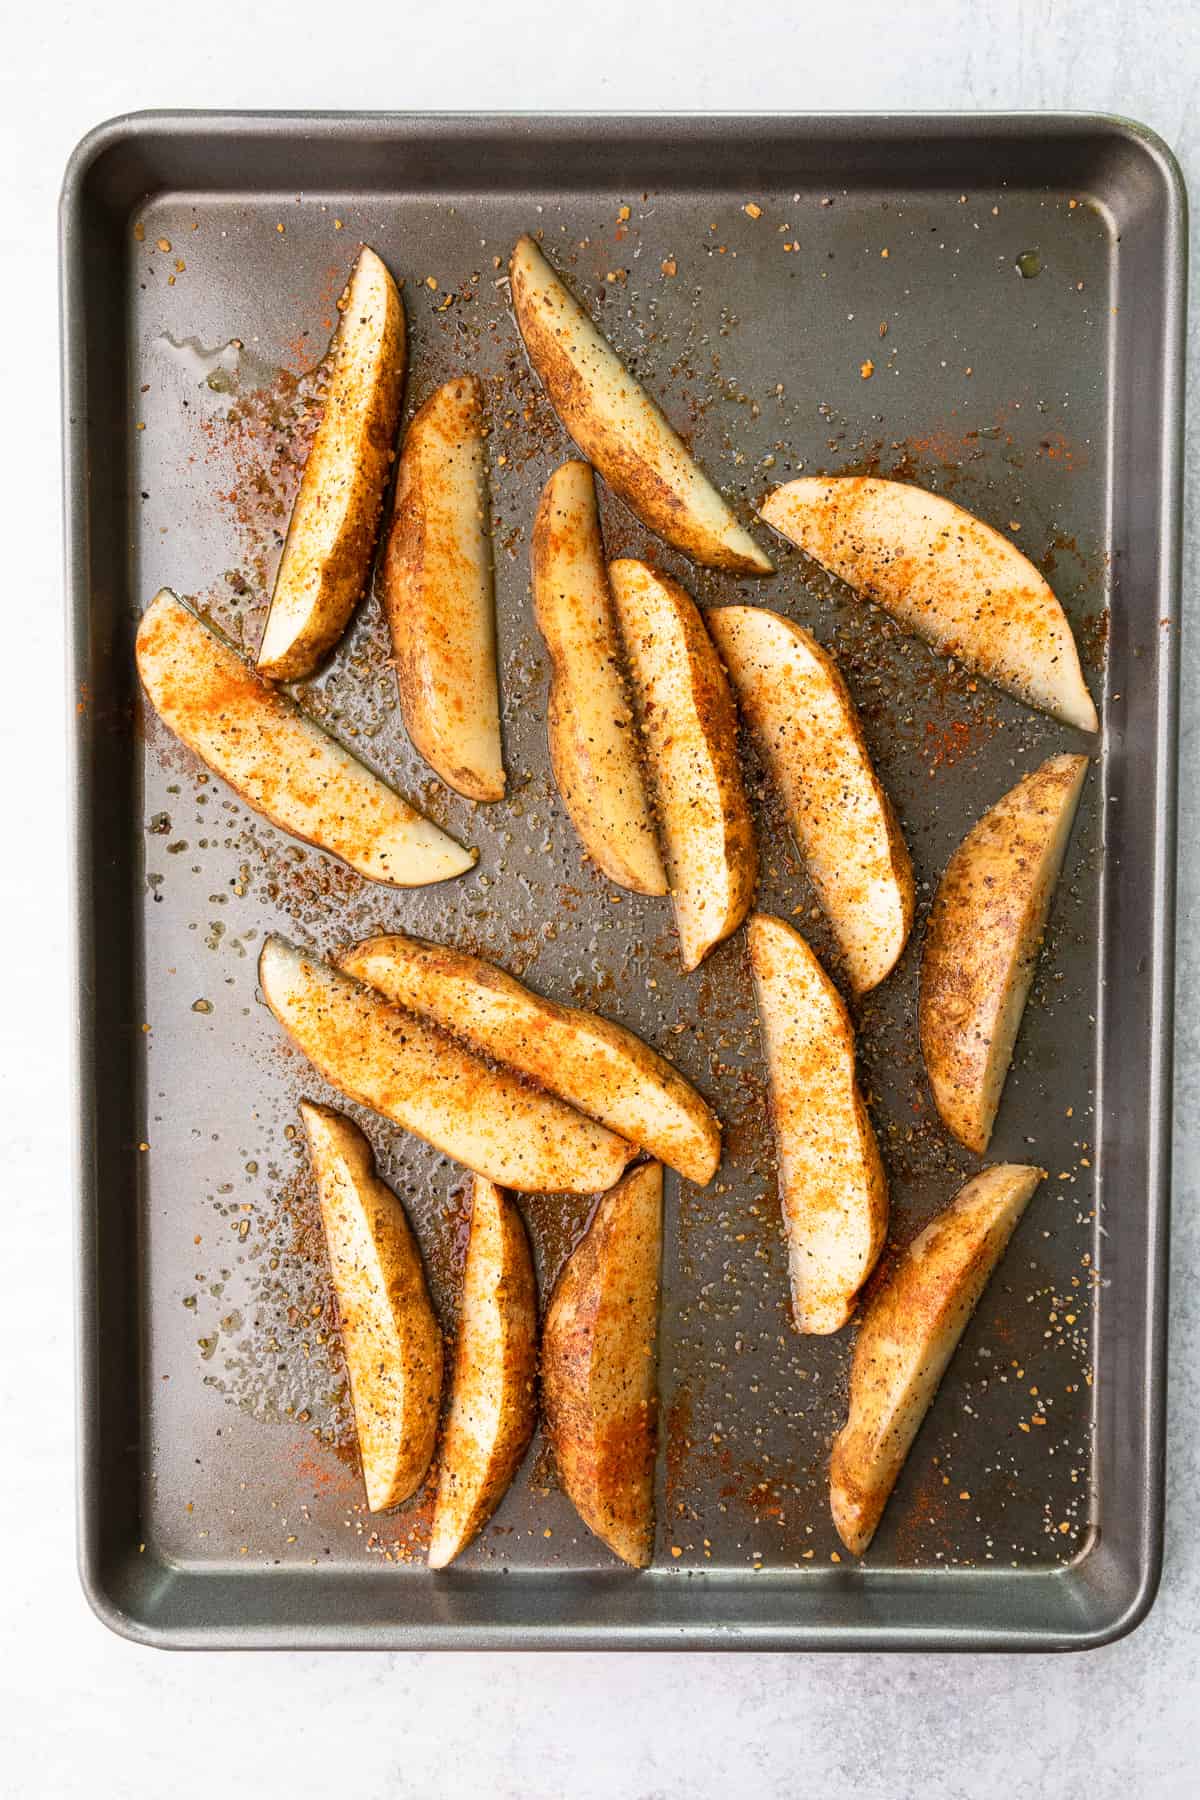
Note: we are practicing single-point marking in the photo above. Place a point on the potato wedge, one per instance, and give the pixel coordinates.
(909, 1332)
(327, 556)
(493, 1395)
(390, 1336)
(598, 1067)
(281, 762)
(436, 586)
(599, 1382)
(806, 726)
(985, 931)
(617, 425)
(945, 576)
(593, 741)
(689, 726)
(832, 1187)
(419, 1077)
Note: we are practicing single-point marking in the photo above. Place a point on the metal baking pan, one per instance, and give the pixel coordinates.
(219, 1501)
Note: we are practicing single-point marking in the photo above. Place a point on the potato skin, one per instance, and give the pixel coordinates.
(594, 749)
(944, 575)
(909, 1332)
(599, 1387)
(832, 1187)
(327, 553)
(689, 727)
(280, 761)
(588, 1061)
(803, 719)
(982, 944)
(425, 1080)
(436, 584)
(493, 1394)
(621, 431)
(389, 1330)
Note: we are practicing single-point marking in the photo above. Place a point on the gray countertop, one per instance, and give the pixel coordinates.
(82, 1712)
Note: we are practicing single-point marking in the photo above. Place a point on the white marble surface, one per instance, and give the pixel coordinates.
(83, 1713)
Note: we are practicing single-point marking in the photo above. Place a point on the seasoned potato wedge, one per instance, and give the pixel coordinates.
(945, 576)
(617, 425)
(800, 713)
(421, 1078)
(593, 740)
(832, 1187)
(909, 1332)
(279, 761)
(689, 727)
(599, 1382)
(327, 556)
(390, 1337)
(597, 1066)
(437, 593)
(985, 932)
(493, 1395)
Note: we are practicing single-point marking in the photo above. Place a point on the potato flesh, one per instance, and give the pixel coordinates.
(689, 727)
(437, 592)
(617, 425)
(493, 1405)
(280, 762)
(799, 710)
(327, 555)
(832, 1187)
(945, 576)
(908, 1335)
(598, 1067)
(593, 738)
(599, 1383)
(981, 948)
(390, 1335)
(410, 1072)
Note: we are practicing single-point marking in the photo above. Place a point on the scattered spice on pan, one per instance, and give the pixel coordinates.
(734, 1247)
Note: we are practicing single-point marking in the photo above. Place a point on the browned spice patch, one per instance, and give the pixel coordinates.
(926, 1523)
(257, 451)
(1093, 640)
(949, 743)
(447, 1253)
(557, 1224)
(543, 1471)
(1056, 447)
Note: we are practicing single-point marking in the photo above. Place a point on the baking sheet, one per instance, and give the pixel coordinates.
(220, 1497)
